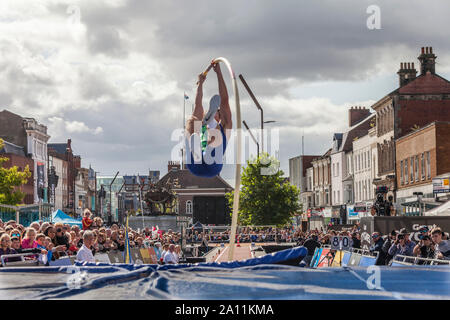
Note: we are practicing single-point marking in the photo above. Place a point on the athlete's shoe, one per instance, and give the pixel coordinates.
(214, 105)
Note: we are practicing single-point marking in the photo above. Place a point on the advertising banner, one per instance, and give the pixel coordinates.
(441, 185)
(385, 225)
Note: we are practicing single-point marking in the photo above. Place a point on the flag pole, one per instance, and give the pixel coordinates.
(184, 127)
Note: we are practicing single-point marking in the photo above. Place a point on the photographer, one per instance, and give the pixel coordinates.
(378, 246)
(402, 245)
(387, 244)
(425, 248)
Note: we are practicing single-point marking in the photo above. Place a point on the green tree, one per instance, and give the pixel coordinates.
(265, 199)
(10, 181)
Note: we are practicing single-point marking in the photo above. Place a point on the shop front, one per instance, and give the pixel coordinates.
(357, 211)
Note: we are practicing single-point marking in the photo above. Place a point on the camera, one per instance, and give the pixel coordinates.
(381, 206)
(58, 230)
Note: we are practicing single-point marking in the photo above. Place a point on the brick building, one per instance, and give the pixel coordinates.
(64, 151)
(417, 102)
(421, 156)
(203, 198)
(322, 180)
(32, 137)
(16, 156)
(298, 177)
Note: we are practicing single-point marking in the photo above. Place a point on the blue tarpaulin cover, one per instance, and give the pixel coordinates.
(59, 216)
(250, 279)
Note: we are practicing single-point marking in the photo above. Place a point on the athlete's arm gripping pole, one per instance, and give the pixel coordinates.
(237, 187)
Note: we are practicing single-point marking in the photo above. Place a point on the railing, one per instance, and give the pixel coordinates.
(21, 262)
(416, 260)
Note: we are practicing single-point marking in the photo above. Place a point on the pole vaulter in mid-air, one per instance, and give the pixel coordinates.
(207, 136)
(207, 132)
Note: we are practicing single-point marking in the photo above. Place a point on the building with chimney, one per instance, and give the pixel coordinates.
(421, 156)
(298, 177)
(32, 137)
(418, 101)
(202, 198)
(343, 159)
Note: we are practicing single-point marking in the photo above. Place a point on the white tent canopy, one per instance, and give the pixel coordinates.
(442, 210)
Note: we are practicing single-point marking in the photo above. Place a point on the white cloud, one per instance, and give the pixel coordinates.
(60, 127)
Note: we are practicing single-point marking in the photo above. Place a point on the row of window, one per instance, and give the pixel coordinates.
(410, 168)
(338, 198)
(335, 169)
(363, 190)
(362, 161)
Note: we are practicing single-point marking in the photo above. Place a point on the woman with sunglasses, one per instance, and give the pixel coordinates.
(5, 246)
(61, 240)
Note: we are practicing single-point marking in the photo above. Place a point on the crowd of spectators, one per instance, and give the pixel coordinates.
(55, 240)
(51, 241)
(432, 244)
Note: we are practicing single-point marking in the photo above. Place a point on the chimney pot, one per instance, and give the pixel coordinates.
(423, 51)
(431, 49)
(413, 65)
(401, 65)
(426, 50)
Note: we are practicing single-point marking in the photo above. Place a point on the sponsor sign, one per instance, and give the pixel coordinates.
(441, 185)
(385, 225)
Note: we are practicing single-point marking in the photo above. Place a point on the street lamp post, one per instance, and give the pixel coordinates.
(251, 135)
(419, 198)
(110, 199)
(258, 106)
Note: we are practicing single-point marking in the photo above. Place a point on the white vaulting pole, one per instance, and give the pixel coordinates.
(237, 186)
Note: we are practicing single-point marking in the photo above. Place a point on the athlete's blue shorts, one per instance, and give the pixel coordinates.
(212, 159)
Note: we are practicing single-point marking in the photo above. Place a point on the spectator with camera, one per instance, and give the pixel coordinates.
(442, 247)
(378, 247)
(402, 245)
(387, 245)
(425, 248)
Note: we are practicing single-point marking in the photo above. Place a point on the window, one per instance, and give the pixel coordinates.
(417, 168)
(369, 157)
(428, 165)
(401, 172)
(406, 171)
(337, 169)
(411, 170)
(339, 197)
(334, 170)
(422, 166)
(189, 207)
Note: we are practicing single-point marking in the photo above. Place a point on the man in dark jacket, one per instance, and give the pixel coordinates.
(311, 244)
(387, 244)
(378, 246)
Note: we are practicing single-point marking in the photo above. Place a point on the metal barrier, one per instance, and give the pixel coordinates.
(416, 260)
(22, 263)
